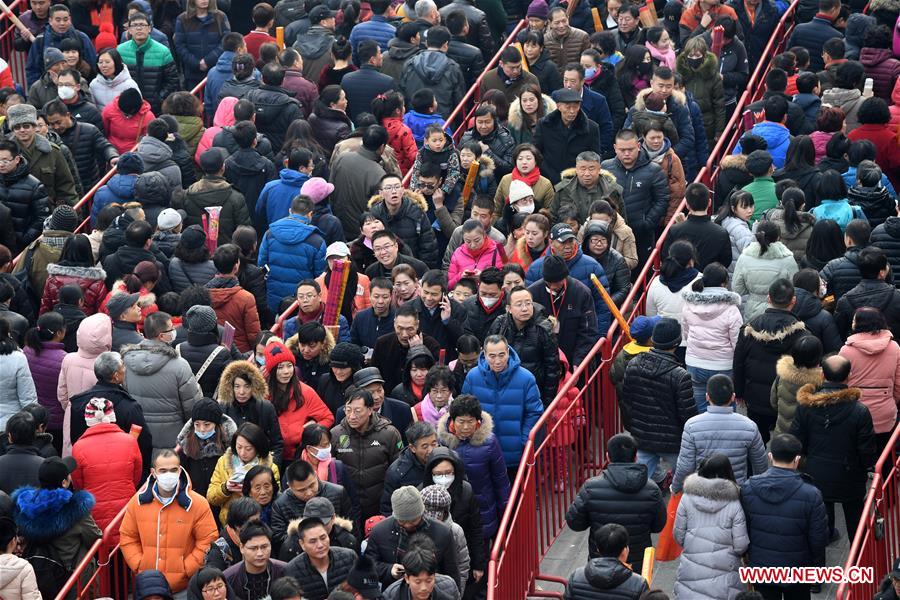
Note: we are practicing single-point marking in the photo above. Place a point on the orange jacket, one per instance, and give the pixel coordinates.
(172, 538)
(361, 300)
(237, 306)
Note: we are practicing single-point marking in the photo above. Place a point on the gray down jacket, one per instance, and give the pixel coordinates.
(157, 156)
(184, 274)
(711, 527)
(164, 386)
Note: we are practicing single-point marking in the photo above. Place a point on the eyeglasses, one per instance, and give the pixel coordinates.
(392, 188)
(214, 588)
(19, 126)
(6, 161)
(309, 296)
(380, 249)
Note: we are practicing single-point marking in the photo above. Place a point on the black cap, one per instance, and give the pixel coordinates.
(364, 377)
(562, 232)
(54, 470)
(566, 95)
(319, 14)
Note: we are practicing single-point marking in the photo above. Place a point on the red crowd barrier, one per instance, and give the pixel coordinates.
(14, 58)
(556, 462)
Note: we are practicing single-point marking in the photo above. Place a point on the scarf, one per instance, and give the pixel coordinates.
(430, 413)
(676, 283)
(529, 178)
(652, 154)
(417, 390)
(321, 469)
(309, 318)
(666, 59)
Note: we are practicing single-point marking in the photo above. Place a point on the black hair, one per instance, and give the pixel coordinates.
(456, 22)
(423, 100)
(621, 448)
(384, 105)
(785, 447)
(873, 111)
(716, 466)
(244, 134)
(138, 233)
(826, 241)
(835, 48)
(807, 352)
(286, 587)
(610, 540)
(720, 389)
(781, 292)
(697, 196)
(437, 36)
(273, 74)
(776, 109)
(807, 82)
(868, 319)
(252, 474)
(714, 275)
(792, 201)
(776, 80)
(255, 528)
(468, 343)
(8, 343)
(439, 374)
(21, 428)
(420, 557)
(871, 262)
(209, 574)
(48, 326)
(465, 405)
(360, 394)
(299, 470)
(255, 435)
(849, 75)
(312, 435)
(681, 253)
(226, 257)
(241, 510)
(832, 186)
(71, 293)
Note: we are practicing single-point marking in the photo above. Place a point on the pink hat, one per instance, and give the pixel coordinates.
(317, 188)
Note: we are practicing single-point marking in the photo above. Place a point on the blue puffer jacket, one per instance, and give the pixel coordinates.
(581, 267)
(275, 199)
(777, 136)
(786, 520)
(850, 179)
(485, 469)
(215, 77)
(418, 122)
(377, 29)
(199, 39)
(119, 188)
(512, 398)
(294, 250)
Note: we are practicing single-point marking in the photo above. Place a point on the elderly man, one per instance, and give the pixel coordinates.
(662, 85)
(564, 134)
(391, 349)
(45, 159)
(593, 104)
(395, 411)
(565, 43)
(588, 186)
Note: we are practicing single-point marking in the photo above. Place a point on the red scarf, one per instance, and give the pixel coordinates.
(530, 178)
(309, 318)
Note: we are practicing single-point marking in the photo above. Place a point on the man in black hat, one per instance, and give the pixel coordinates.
(569, 303)
(564, 134)
(125, 313)
(395, 411)
(656, 389)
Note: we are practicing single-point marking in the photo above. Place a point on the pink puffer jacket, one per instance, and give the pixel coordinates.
(492, 255)
(711, 321)
(876, 370)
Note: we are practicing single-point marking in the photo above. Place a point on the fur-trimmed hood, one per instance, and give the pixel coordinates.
(715, 295)
(55, 269)
(734, 161)
(478, 438)
(516, 118)
(293, 527)
(679, 97)
(293, 344)
(486, 166)
(778, 335)
(887, 5)
(708, 68)
(414, 197)
(47, 514)
(808, 396)
(247, 370)
(802, 376)
(723, 490)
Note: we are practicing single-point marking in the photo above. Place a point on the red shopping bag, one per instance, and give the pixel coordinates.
(667, 548)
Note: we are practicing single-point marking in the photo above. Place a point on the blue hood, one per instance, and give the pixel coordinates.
(146, 9)
(151, 583)
(292, 230)
(775, 133)
(223, 65)
(43, 514)
(506, 375)
(122, 185)
(293, 178)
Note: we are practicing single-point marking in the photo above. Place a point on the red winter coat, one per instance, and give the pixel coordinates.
(883, 68)
(887, 147)
(293, 419)
(574, 418)
(124, 132)
(400, 138)
(89, 279)
(109, 467)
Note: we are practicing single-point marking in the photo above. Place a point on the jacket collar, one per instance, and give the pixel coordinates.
(182, 496)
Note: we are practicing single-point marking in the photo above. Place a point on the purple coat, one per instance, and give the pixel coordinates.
(45, 369)
(485, 469)
(883, 68)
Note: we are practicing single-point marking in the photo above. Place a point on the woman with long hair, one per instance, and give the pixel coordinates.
(187, 110)
(296, 404)
(525, 111)
(340, 65)
(534, 243)
(832, 192)
(242, 394)
(800, 165)
(300, 135)
(329, 121)
(202, 441)
(678, 271)
(826, 242)
(734, 216)
(261, 485)
(75, 266)
(660, 46)
(18, 390)
(759, 265)
(45, 352)
(633, 72)
(249, 447)
(389, 109)
(711, 527)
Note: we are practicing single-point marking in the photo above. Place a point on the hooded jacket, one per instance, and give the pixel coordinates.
(706, 86)
(224, 116)
(248, 171)
(45, 369)
(875, 202)
(875, 370)
(395, 59)
(105, 90)
(213, 190)
(755, 271)
(406, 470)
(711, 526)
(848, 101)
(341, 536)
(315, 48)
(165, 387)
(838, 440)
(789, 379)
(123, 131)
(869, 292)
(293, 250)
(762, 341)
(435, 70)
(711, 321)
(410, 223)
(512, 397)
(819, 321)
(173, 538)
(603, 579)
(27, 200)
(17, 579)
(257, 410)
(237, 306)
(614, 264)
(119, 189)
(276, 109)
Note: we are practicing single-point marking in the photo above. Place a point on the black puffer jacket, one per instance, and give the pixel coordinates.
(818, 321)
(760, 344)
(645, 191)
(340, 537)
(225, 139)
(660, 400)
(249, 172)
(90, 149)
(605, 579)
(276, 109)
(27, 200)
(500, 146)
(388, 541)
(842, 274)
(288, 507)
(406, 470)
(253, 279)
(876, 203)
(340, 562)
(479, 32)
(184, 274)
(410, 224)
(464, 507)
(468, 57)
(621, 494)
(869, 292)
(887, 237)
(234, 88)
(153, 191)
(196, 350)
(329, 126)
(838, 439)
(125, 259)
(537, 349)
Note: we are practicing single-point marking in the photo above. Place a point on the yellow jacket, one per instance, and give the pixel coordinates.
(216, 493)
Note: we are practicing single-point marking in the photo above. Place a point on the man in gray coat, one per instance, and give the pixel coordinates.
(355, 176)
(161, 381)
(720, 430)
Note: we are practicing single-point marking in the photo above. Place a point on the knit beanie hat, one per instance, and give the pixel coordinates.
(207, 409)
(130, 163)
(538, 9)
(317, 189)
(130, 101)
(277, 353)
(346, 355)
(193, 237)
(666, 334)
(21, 114)
(364, 579)
(436, 499)
(106, 38)
(554, 269)
(406, 503)
(519, 189)
(200, 319)
(53, 56)
(63, 218)
(99, 410)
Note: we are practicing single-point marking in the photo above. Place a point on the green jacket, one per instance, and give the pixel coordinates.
(706, 86)
(47, 163)
(153, 68)
(763, 191)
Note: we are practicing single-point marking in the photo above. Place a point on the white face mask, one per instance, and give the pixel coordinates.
(489, 302)
(323, 453)
(169, 337)
(525, 209)
(444, 480)
(66, 93)
(167, 481)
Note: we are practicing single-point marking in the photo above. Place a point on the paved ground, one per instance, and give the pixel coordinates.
(570, 551)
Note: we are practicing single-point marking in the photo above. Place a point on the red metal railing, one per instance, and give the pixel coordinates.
(568, 443)
(15, 58)
(102, 572)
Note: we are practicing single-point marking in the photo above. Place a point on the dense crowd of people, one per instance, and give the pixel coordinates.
(299, 344)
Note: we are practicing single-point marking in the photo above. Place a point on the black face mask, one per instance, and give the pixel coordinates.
(695, 63)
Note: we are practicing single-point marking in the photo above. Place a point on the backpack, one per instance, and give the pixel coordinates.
(49, 570)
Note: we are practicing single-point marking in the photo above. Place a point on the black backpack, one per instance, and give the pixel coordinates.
(49, 570)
